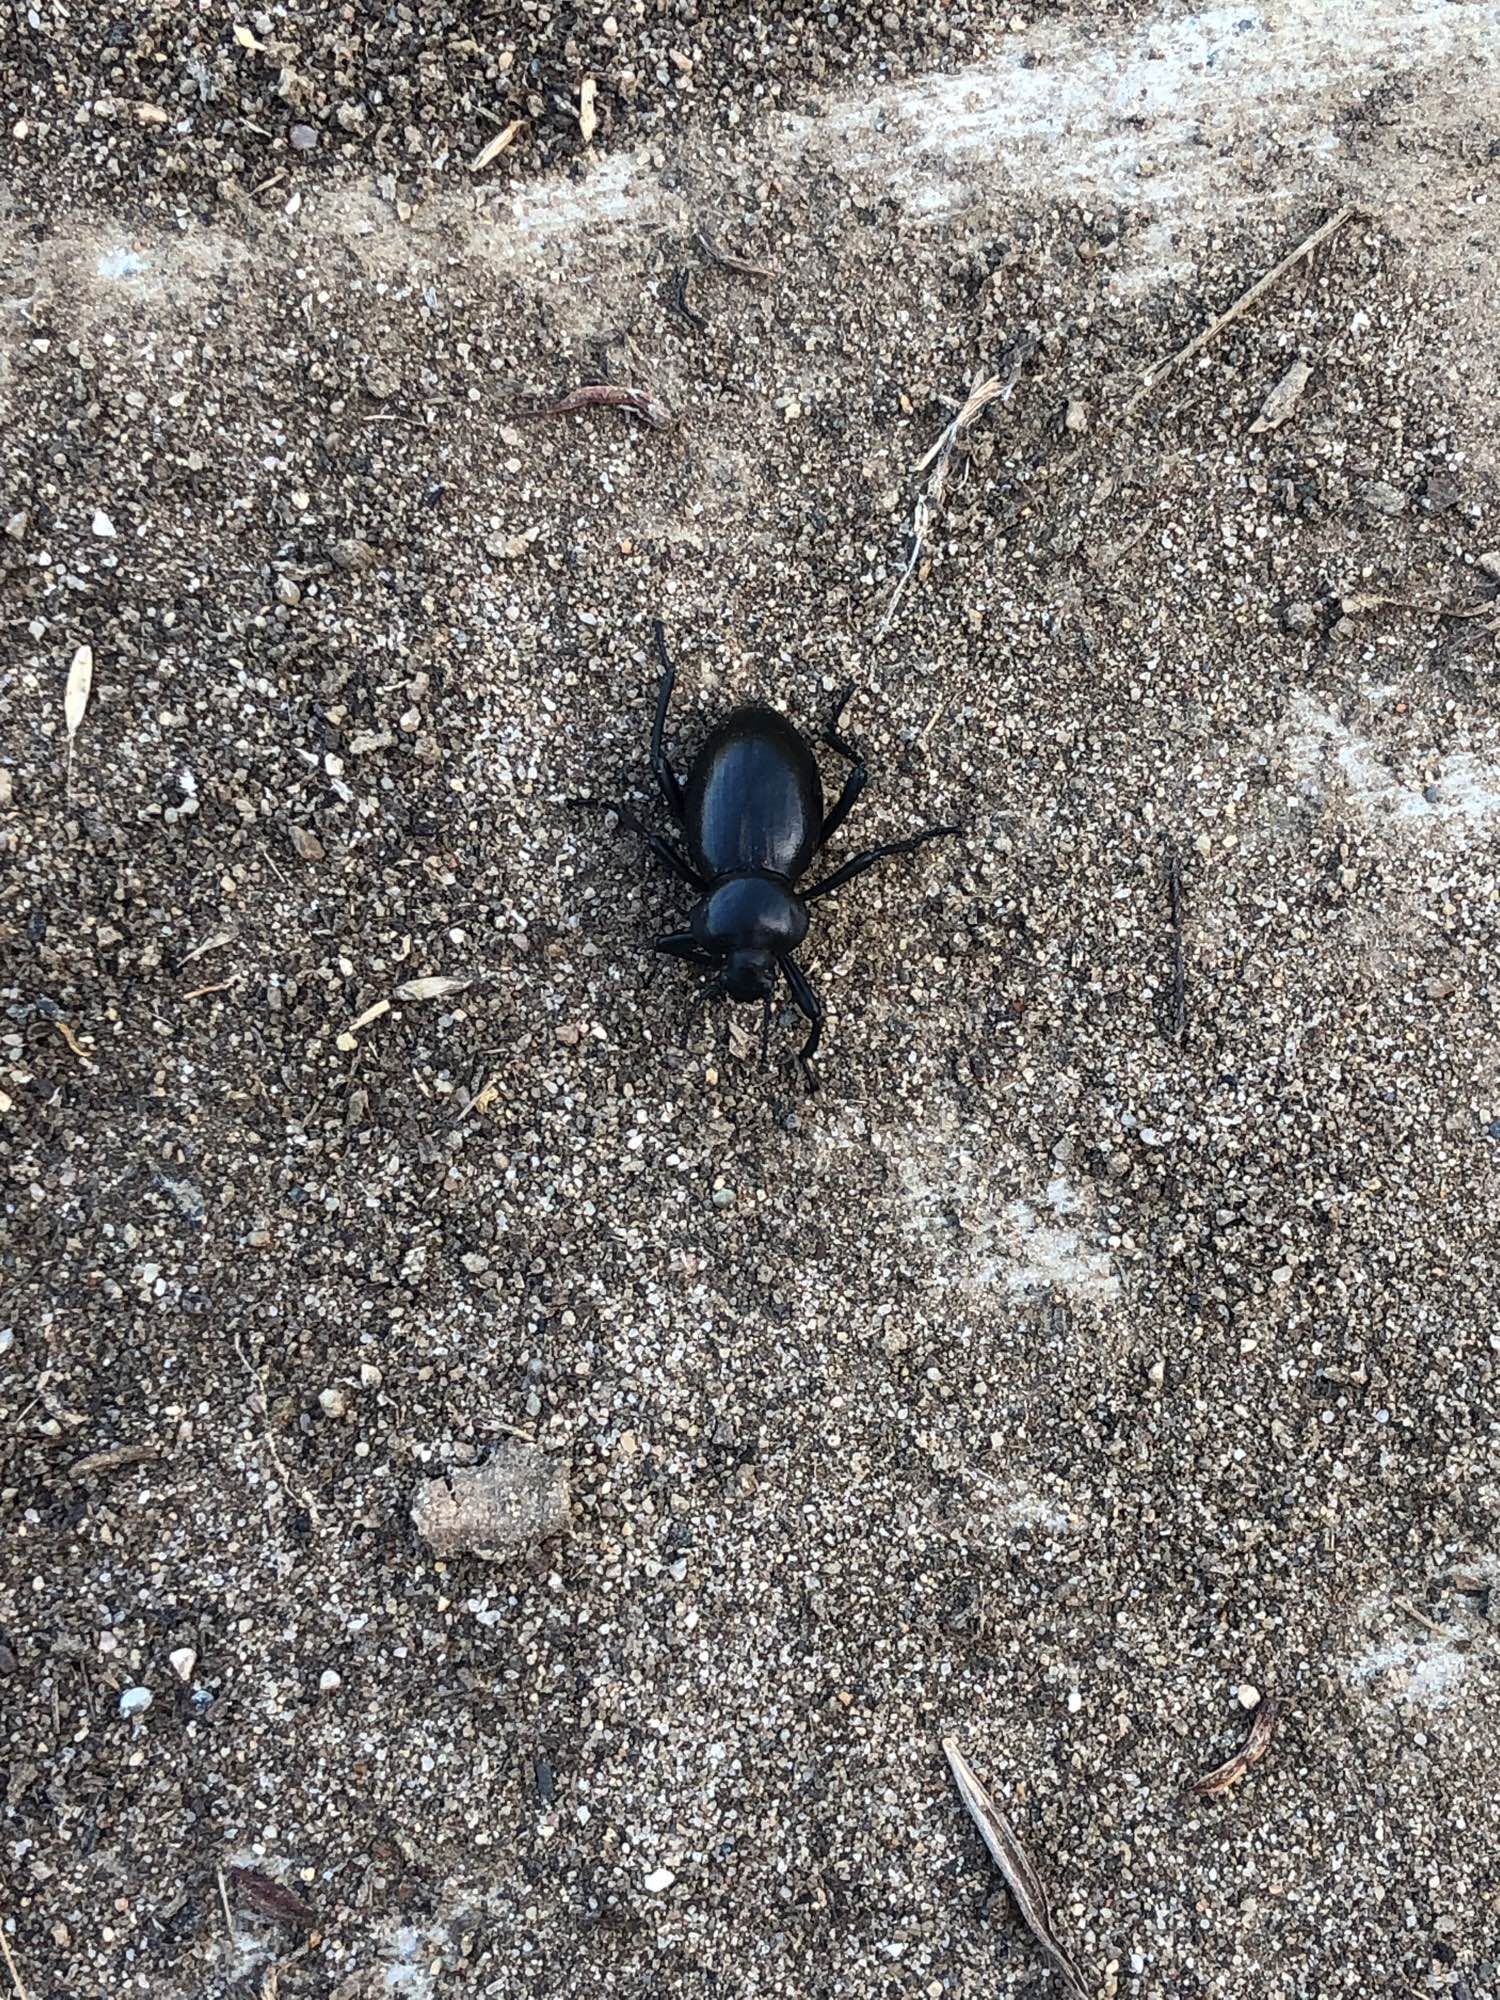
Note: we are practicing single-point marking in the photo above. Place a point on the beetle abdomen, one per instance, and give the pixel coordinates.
(754, 798)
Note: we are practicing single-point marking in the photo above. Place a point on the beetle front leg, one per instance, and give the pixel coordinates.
(811, 1007)
(682, 944)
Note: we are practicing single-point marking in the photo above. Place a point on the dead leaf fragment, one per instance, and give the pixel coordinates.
(1283, 399)
(433, 987)
(114, 1459)
(73, 1043)
(1257, 1743)
(1011, 1859)
(494, 147)
(269, 1898)
(370, 1014)
(588, 118)
(76, 695)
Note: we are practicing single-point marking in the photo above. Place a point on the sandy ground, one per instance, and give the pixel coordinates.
(1110, 1344)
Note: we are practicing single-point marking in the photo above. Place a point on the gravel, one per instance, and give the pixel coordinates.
(1112, 1338)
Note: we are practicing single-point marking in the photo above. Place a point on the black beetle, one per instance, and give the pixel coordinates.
(752, 816)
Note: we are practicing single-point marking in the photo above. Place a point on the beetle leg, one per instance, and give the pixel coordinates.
(811, 1006)
(868, 859)
(682, 944)
(666, 777)
(661, 848)
(854, 784)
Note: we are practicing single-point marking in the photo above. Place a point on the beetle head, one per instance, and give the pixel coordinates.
(749, 974)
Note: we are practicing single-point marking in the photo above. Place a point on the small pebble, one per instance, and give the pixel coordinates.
(103, 526)
(135, 1701)
(1299, 617)
(182, 1662)
(303, 137)
(329, 1681)
(660, 1880)
(1383, 498)
(1247, 1695)
(333, 1402)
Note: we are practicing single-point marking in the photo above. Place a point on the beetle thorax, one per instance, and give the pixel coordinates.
(752, 911)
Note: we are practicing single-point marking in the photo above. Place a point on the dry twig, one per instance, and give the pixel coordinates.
(298, 1493)
(727, 258)
(608, 396)
(941, 458)
(10, 1965)
(1256, 1744)
(1011, 1859)
(1158, 374)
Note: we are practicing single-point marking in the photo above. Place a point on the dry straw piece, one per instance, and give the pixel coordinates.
(1022, 1880)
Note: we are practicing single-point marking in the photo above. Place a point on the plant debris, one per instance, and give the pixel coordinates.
(495, 147)
(253, 1890)
(1283, 399)
(517, 1497)
(608, 396)
(941, 457)
(435, 986)
(1014, 1863)
(1256, 1744)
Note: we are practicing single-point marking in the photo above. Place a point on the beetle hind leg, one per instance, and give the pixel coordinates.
(857, 779)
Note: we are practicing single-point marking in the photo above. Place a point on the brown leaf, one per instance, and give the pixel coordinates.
(1011, 1859)
(269, 1898)
(1257, 1743)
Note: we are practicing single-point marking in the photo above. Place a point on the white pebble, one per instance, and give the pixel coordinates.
(660, 1880)
(182, 1662)
(1247, 1695)
(103, 526)
(328, 1681)
(332, 1402)
(135, 1701)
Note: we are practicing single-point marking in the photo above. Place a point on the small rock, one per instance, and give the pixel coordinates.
(1489, 563)
(306, 844)
(660, 1880)
(1383, 498)
(1156, 1374)
(381, 382)
(103, 526)
(1299, 617)
(182, 1663)
(329, 1682)
(333, 1403)
(1077, 417)
(1247, 1695)
(135, 1701)
(287, 592)
(355, 553)
(303, 138)
(518, 1496)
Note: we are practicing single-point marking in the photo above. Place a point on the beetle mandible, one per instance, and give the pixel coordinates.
(752, 816)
